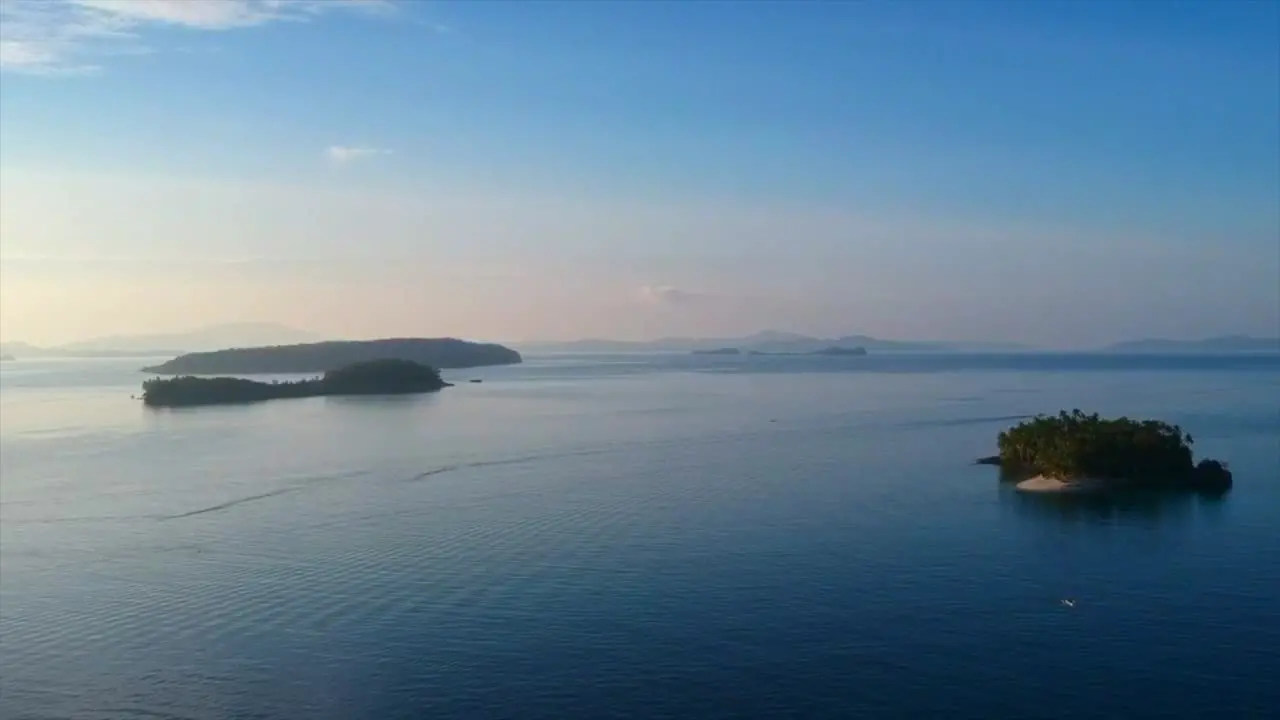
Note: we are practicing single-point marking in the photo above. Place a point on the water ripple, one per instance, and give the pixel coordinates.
(574, 555)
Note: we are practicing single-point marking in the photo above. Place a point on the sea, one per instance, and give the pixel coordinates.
(633, 536)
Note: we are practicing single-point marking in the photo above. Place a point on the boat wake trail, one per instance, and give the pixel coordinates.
(981, 420)
(301, 485)
(233, 503)
(420, 476)
(523, 460)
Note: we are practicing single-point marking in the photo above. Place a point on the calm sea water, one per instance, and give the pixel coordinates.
(642, 536)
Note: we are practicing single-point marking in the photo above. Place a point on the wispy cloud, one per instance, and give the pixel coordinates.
(668, 295)
(71, 36)
(346, 154)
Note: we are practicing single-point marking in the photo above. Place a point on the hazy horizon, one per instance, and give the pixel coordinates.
(270, 333)
(1055, 174)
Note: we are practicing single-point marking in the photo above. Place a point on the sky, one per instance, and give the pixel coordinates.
(1060, 173)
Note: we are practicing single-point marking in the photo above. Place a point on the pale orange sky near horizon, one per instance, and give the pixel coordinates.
(85, 255)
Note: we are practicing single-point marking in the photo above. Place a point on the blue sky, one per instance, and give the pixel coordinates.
(1064, 173)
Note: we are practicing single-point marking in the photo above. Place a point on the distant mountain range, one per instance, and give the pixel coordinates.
(773, 341)
(213, 337)
(769, 341)
(1223, 344)
(251, 335)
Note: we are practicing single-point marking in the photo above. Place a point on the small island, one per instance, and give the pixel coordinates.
(1078, 453)
(444, 353)
(719, 351)
(841, 352)
(832, 351)
(375, 377)
(6, 358)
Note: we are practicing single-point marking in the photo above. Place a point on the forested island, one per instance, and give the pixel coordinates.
(444, 353)
(375, 377)
(841, 352)
(1076, 452)
(833, 351)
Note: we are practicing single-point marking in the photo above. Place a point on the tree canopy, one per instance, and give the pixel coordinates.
(1143, 453)
(324, 356)
(375, 377)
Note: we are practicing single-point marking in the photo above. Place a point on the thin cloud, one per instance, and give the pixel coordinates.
(58, 37)
(345, 154)
(668, 295)
(196, 14)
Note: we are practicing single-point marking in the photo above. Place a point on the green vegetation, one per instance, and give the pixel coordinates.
(375, 377)
(1128, 453)
(324, 356)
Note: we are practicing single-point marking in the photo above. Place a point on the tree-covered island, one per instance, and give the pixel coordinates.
(447, 353)
(374, 377)
(1078, 452)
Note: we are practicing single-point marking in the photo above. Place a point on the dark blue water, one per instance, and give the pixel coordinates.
(633, 536)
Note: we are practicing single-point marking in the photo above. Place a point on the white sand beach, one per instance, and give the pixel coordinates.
(1043, 484)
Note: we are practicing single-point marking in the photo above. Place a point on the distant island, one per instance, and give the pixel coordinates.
(445, 353)
(374, 377)
(827, 351)
(766, 342)
(6, 358)
(1222, 344)
(841, 352)
(1075, 452)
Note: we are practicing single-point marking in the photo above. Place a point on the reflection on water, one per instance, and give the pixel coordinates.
(381, 401)
(1139, 507)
